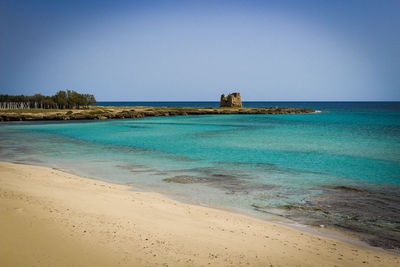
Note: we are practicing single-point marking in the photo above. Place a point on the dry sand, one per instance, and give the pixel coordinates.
(52, 218)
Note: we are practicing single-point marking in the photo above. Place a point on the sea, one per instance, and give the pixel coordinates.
(336, 168)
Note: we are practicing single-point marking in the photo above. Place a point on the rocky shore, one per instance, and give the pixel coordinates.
(100, 113)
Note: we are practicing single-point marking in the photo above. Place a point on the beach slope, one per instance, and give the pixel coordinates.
(52, 218)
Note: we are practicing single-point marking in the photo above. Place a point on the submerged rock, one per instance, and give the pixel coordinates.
(371, 213)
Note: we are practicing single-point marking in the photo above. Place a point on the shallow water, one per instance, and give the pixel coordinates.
(340, 167)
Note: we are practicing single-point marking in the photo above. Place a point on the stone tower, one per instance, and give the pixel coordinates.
(232, 100)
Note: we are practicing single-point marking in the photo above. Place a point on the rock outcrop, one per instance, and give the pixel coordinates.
(231, 101)
(101, 113)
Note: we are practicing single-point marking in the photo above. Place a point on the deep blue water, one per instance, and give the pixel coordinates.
(295, 166)
(331, 106)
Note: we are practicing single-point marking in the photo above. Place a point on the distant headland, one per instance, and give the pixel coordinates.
(71, 105)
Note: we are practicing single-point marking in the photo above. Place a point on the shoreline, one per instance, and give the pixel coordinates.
(331, 232)
(231, 238)
(108, 112)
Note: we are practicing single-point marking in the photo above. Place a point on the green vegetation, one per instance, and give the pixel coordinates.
(97, 112)
(61, 100)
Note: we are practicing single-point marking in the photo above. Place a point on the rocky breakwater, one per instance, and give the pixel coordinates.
(99, 113)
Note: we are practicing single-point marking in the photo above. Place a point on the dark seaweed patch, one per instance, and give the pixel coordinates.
(185, 179)
(28, 160)
(230, 183)
(346, 188)
(137, 127)
(371, 213)
(136, 168)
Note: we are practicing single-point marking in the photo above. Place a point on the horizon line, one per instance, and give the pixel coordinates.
(217, 101)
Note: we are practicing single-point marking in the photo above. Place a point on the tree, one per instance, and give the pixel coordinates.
(90, 99)
(77, 100)
(48, 102)
(61, 99)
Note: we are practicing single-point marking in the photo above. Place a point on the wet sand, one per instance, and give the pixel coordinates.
(52, 218)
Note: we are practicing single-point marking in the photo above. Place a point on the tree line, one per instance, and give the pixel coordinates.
(68, 99)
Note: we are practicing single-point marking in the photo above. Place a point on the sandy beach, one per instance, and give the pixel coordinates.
(52, 218)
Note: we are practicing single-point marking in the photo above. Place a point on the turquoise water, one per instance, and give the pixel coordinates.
(256, 163)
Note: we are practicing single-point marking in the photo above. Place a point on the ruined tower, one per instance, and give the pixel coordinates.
(232, 100)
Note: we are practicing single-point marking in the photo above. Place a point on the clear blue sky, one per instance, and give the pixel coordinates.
(196, 50)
